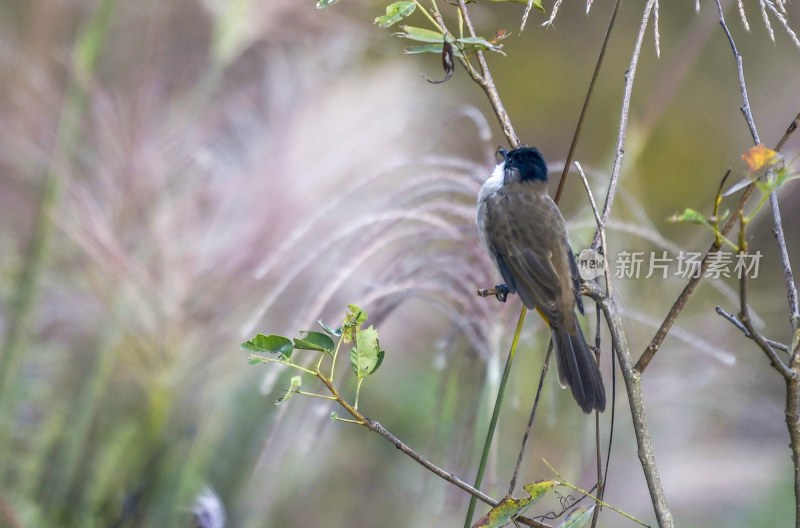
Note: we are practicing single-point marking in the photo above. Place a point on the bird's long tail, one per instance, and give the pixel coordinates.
(578, 369)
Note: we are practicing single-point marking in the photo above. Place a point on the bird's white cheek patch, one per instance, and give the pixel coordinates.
(497, 178)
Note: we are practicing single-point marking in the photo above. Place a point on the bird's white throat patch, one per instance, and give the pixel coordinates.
(498, 175)
(494, 182)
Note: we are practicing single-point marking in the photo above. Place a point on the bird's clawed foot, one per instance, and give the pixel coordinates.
(500, 292)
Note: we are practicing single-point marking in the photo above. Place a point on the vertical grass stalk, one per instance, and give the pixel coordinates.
(85, 52)
(495, 415)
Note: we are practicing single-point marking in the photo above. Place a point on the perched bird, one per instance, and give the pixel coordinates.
(524, 232)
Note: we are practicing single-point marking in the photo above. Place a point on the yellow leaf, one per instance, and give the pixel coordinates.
(759, 156)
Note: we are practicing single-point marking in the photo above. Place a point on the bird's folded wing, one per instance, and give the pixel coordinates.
(537, 282)
(525, 264)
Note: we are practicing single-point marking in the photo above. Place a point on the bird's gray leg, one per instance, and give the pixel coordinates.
(500, 292)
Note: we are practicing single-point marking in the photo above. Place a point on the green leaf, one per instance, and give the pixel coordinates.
(689, 216)
(314, 341)
(358, 314)
(579, 517)
(274, 344)
(420, 34)
(500, 515)
(395, 13)
(510, 508)
(334, 416)
(294, 386)
(322, 4)
(366, 356)
(537, 489)
(254, 360)
(352, 322)
(479, 43)
(429, 48)
(335, 332)
(381, 354)
(475, 41)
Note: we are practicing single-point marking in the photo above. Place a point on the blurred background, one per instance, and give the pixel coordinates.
(177, 176)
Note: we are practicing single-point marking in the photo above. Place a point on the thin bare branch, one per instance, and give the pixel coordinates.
(793, 424)
(601, 475)
(623, 124)
(748, 114)
(755, 335)
(589, 92)
(601, 228)
(632, 380)
(776, 361)
(381, 430)
(683, 298)
(789, 131)
(513, 483)
(790, 372)
(486, 82)
(791, 289)
(731, 318)
(788, 275)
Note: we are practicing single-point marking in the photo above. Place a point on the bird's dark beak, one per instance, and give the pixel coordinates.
(501, 152)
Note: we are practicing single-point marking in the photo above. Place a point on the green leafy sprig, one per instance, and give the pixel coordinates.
(366, 355)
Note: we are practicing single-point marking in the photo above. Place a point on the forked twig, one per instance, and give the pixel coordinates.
(635, 399)
(755, 335)
(731, 318)
(601, 475)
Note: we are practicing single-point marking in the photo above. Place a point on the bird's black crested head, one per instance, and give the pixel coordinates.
(528, 161)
